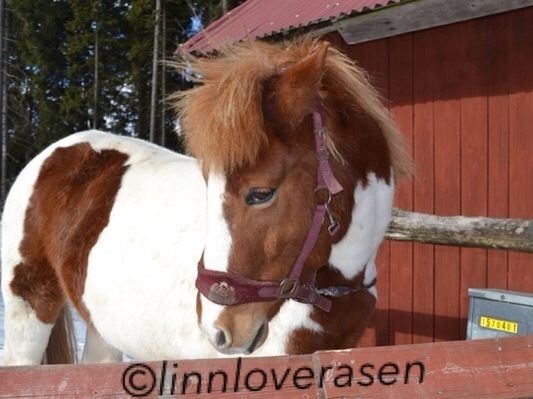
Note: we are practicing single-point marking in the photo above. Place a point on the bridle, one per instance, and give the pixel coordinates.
(225, 288)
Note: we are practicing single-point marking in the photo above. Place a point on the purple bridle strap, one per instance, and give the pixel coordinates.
(227, 288)
(325, 177)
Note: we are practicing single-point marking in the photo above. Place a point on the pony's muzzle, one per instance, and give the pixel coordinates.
(224, 342)
(222, 339)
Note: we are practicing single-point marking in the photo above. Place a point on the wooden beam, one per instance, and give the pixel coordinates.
(495, 368)
(479, 232)
(417, 15)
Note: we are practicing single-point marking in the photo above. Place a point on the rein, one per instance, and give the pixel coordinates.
(226, 288)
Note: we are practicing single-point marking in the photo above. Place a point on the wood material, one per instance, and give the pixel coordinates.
(401, 253)
(472, 83)
(447, 180)
(497, 368)
(520, 140)
(417, 15)
(498, 140)
(480, 232)
(471, 113)
(423, 64)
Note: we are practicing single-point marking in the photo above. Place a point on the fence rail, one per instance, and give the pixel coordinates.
(495, 368)
(480, 232)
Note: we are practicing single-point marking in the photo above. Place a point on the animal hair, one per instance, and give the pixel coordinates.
(222, 117)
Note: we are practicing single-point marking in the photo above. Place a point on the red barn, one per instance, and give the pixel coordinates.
(458, 77)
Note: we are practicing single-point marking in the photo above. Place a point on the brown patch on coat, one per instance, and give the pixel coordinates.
(343, 326)
(36, 282)
(70, 206)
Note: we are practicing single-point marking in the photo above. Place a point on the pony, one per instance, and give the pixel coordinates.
(262, 241)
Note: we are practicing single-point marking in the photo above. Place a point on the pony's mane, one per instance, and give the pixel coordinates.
(222, 118)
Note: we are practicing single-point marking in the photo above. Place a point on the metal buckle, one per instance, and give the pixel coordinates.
(287, 292)
(333, 224)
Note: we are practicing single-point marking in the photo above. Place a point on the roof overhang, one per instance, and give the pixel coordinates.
(417, 15)
(383, 18)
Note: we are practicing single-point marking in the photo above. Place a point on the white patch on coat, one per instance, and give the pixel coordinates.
(25, 335)
(218, 239)
(370, 218)
(217, 247)
(292, 316)
(140, 289)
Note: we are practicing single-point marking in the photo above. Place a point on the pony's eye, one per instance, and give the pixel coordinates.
(258, 196)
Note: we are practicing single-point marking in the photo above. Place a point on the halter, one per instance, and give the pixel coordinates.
(227, 288)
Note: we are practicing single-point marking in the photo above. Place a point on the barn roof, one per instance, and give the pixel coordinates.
(262, 18)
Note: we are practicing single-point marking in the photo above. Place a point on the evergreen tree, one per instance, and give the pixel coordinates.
(37, 65)
(140, 24)
(96, 46)
(74, 65)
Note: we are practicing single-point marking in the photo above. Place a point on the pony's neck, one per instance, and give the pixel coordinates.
(355, 252)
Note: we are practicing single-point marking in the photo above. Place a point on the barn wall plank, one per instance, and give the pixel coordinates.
(401, 253)
(472, 67)
(423, 194)
(499, 39)
(521, 140)
(447, 114)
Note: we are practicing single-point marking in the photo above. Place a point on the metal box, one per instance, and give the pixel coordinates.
(498, 313)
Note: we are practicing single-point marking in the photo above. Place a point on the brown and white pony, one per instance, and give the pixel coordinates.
(120, 227)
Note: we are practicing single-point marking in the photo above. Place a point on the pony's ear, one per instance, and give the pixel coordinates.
(294, 91)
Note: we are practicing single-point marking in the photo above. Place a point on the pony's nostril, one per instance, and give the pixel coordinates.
(220, 339)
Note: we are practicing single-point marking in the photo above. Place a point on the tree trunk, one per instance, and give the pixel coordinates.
(163, 72)
(153, 103)
(3, 99)
(480, 232)
(96, 68)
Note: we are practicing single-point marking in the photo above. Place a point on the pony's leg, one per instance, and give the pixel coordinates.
(96, 350)
(33, 300)
(26, 337)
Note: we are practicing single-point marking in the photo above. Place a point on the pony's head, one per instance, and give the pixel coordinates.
(250, 123)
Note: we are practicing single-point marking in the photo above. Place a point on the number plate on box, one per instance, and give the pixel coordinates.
(499, 325)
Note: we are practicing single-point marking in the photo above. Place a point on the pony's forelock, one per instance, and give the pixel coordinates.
(222, 117)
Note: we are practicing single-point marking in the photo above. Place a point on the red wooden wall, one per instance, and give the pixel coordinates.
(462, 95)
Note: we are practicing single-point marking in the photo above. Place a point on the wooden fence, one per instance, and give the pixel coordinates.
(496, 368)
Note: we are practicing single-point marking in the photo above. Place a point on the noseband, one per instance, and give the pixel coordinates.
(231, 289)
